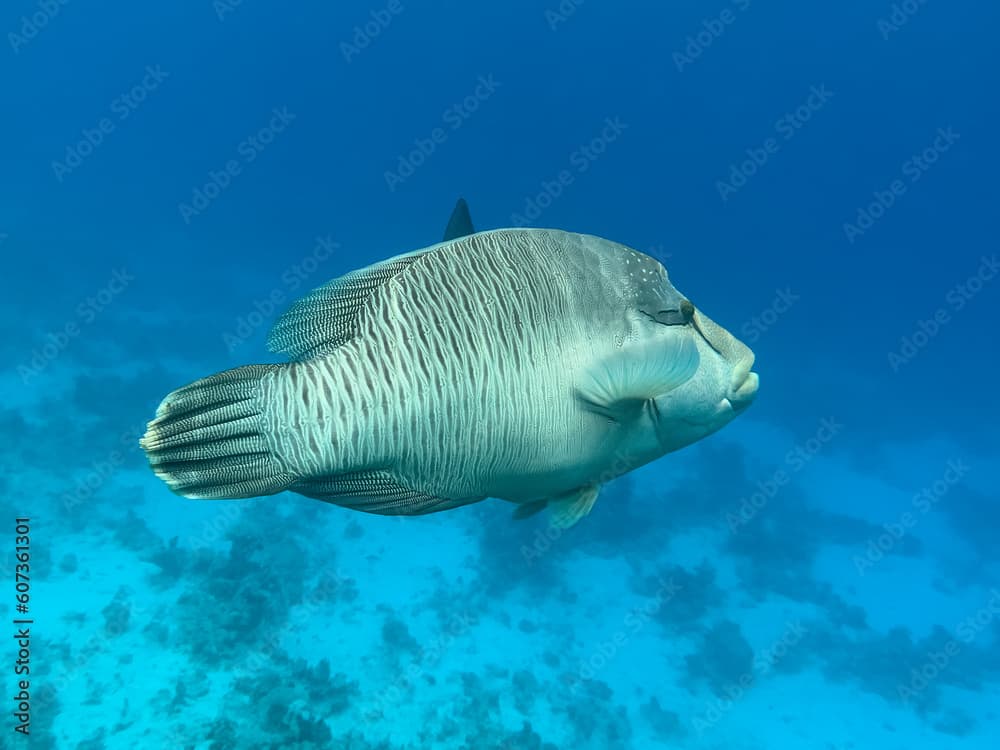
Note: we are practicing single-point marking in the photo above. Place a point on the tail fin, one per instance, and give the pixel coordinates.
(208, 441)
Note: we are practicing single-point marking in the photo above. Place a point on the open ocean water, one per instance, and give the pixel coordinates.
(821, 178)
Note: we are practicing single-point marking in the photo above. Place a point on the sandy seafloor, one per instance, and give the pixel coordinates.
(284, 622)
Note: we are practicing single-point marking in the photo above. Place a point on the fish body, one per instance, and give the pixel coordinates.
(530, 365)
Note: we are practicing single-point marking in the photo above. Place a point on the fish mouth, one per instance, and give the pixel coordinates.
(743, 381)
(744, 384)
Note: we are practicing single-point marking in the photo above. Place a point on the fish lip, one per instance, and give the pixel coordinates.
(744, 390)
(742, 371)
(744, 383)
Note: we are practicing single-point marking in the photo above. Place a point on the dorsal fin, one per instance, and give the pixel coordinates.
(460, 223)
(325, 318)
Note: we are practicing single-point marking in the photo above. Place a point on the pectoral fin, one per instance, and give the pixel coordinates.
(569, 508)
(617, 385)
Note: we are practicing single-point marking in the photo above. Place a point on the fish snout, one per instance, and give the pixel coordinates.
(743, 382)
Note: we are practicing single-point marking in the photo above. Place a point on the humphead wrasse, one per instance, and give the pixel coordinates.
(530, 365)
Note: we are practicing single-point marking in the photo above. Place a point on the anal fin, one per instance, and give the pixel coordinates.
(375, 492)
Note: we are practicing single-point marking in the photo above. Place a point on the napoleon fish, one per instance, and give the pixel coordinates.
(530, 365)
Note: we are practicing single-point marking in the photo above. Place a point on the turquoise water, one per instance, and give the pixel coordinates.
(822, 573)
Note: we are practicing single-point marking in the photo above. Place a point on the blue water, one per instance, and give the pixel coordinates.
(822, 573)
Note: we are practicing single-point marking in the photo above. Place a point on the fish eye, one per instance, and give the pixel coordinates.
(677, 316)
(687, 310)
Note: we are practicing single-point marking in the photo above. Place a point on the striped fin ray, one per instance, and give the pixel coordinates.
(208, 439)
(375, 492)
(325, 318)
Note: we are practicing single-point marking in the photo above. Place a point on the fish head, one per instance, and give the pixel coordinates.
(709, 371)
(722, 386)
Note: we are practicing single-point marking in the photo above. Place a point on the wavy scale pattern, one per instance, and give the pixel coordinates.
(458, 380)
